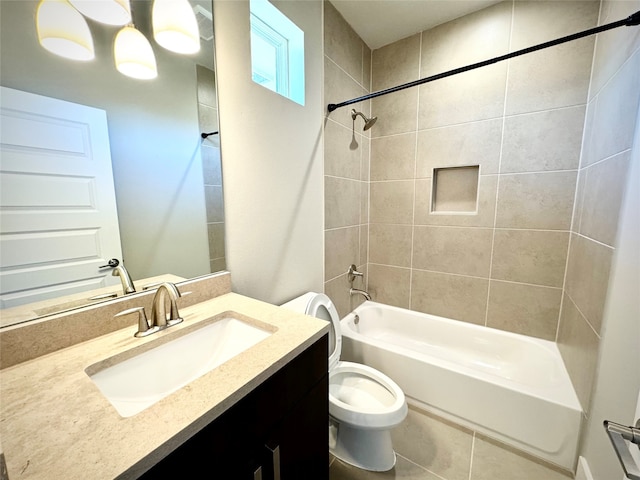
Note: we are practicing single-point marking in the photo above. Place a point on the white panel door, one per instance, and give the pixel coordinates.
(58, 219)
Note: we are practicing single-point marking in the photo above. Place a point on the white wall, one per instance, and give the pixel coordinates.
(272, 160)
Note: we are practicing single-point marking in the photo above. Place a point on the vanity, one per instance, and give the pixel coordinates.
(261, 414)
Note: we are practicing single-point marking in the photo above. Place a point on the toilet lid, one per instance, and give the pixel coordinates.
(321, 306)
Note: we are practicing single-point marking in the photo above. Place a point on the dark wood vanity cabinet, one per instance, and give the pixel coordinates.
(279, 431)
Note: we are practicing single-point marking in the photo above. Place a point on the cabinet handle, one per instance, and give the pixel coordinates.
(257, 475)
(275, 455)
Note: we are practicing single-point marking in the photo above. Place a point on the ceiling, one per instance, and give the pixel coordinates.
(381, 22)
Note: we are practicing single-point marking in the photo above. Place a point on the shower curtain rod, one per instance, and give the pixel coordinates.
(631, 20)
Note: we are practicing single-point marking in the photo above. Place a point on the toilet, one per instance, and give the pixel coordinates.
(364, 404)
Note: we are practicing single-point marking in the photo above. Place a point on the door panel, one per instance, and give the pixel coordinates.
(58, 218)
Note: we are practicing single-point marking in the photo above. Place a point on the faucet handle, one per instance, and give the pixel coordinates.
(353, 273)
(143, 323)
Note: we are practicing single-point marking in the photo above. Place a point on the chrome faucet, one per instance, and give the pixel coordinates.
(159, 320)
(352, 273)
(120, 271)
(159, 312)
(355, 291)
(125, 278)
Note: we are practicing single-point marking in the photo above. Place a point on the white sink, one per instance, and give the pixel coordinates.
(139, 381)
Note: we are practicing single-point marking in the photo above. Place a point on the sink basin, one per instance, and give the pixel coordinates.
(139, 381)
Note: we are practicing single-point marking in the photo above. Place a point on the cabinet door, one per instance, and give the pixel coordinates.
(299, 446)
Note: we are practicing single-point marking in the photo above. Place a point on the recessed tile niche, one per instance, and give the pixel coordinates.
(455, 189)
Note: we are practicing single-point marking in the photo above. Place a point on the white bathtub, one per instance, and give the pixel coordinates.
(510, 387)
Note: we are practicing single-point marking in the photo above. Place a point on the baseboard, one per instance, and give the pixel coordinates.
(583, 472)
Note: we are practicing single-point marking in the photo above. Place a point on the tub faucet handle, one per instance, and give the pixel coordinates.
(353, 273)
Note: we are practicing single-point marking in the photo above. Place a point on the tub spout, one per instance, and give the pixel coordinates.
(355, 291)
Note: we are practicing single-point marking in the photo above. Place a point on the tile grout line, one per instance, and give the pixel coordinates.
(415, 179)
(473, 448)
(495, 211)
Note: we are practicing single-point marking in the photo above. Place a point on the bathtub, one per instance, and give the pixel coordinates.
(507, 386)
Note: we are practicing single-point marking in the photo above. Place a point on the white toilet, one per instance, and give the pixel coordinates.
(364, 404)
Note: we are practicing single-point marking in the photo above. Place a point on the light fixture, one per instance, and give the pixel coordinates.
(175, 26)
(111, 12)
(133, 54)
(63, 31)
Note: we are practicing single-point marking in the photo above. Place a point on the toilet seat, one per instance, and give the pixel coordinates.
(384, 407)
(381, 404)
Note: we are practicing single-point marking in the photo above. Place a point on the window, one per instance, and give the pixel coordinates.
(277, 51)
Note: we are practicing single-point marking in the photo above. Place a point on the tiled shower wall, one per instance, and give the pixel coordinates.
(211, 166)
(612, 113)
(521, 121)
(347, 67)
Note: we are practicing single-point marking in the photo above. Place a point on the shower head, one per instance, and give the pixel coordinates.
(368, 122)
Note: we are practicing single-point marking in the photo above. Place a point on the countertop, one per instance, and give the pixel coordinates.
(55, 423)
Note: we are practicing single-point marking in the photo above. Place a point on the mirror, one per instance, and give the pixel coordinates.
(167, 178)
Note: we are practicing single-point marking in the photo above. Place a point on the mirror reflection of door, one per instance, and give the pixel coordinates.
(58, 221)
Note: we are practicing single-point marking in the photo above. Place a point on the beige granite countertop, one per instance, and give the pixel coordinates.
(55, 423)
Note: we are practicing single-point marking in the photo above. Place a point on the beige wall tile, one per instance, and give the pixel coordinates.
(476, 143)
(216, 239)
(390, 244)
(493, 460)
(366, 66)
(393, 158)
(530, 256)
(578, 344)
(364, 202)
(465, 251)
(617, 104)
(536, 200)
(551, 78)
(602, 197)
(469, 39)
(396, 63)
(615, 46)
(211, 166)
(484, 217)
(442, 447)
(206, 86)
(214, 203)
(540, 141)
(342, 151)
(364, 245)
(389, 285)
(338, 87)
(337, 290)
(536, 22)
(365, 159)
(341, 43)
(391, 202)
(341, 249)
(396, 113)
(467, 97)
(554, 77)
(588, 277)
(450, 296)
(525, 309)
(341, 202)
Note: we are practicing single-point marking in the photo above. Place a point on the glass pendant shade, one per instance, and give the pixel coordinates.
(175, 26)
(133, 54)
(63, 31)
(111, 12)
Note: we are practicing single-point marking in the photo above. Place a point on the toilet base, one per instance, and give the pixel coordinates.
(367, 449)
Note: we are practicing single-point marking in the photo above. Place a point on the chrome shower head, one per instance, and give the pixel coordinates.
(368, 122)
